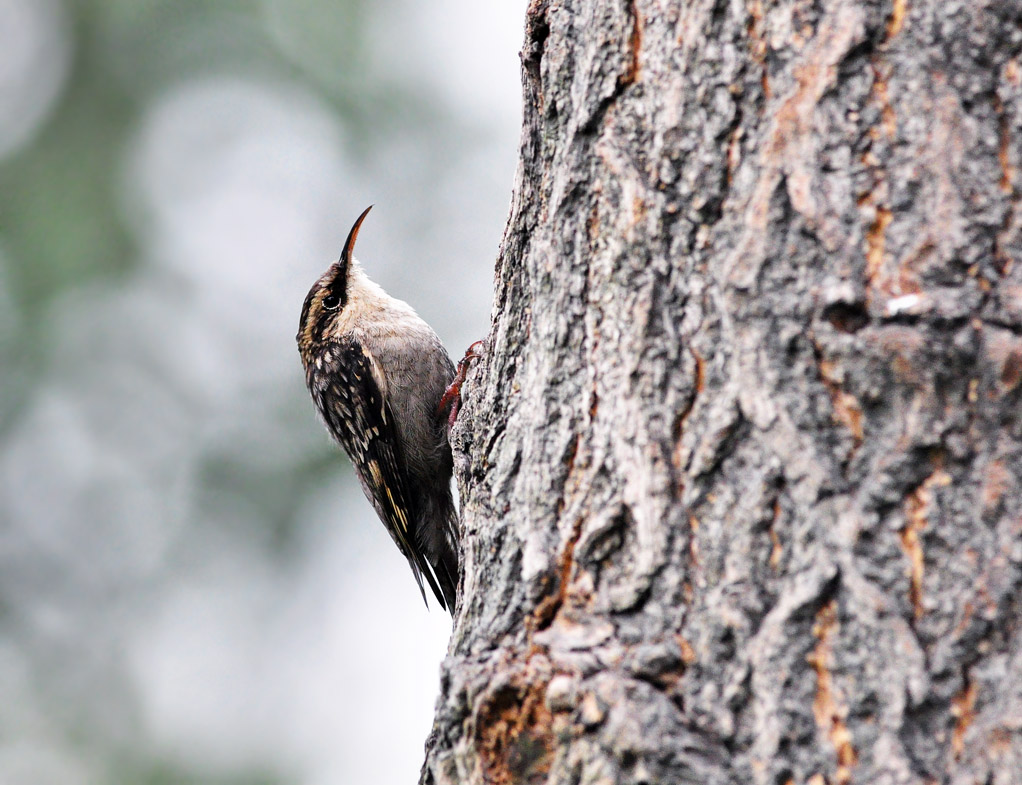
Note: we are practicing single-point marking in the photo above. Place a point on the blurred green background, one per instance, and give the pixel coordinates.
(192, 587)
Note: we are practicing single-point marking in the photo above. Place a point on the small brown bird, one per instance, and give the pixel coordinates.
(377, 374)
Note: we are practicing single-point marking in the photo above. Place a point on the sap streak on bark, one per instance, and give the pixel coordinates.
(742, 470)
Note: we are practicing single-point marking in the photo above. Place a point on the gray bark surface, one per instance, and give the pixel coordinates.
(742, 468)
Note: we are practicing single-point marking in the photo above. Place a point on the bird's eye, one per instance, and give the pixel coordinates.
(331, 301)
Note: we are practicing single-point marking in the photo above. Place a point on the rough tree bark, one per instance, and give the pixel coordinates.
(742, 469)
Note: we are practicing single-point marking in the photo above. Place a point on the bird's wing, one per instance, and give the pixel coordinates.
(356, 409)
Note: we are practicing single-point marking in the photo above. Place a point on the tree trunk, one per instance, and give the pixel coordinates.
(742, 468)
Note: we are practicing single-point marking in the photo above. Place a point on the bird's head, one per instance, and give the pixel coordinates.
(328, 296)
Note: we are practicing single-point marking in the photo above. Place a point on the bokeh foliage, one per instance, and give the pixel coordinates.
(185, 562)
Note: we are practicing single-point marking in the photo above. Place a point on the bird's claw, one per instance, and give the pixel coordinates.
(452, 395)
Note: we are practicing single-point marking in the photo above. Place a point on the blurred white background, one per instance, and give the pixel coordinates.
(192, 587)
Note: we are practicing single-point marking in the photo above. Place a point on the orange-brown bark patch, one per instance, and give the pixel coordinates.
(1004, 157)
(776, 550)
(917, 506)
(1011, 370)
(888, 120)
(897, 18)
(638, 210)
(963, 710)
(847, 410)
(635, 42)
(827, 709)
(548, 607)
(688, 654)
(875, 241)
(514, 735)
(693, 542)
(757, 44)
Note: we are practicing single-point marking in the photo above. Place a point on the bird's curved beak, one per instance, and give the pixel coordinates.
(349, 244)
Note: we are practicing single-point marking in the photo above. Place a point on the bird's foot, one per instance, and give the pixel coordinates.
(452, 395)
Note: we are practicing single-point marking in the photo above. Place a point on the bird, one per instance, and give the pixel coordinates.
(379, 378)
